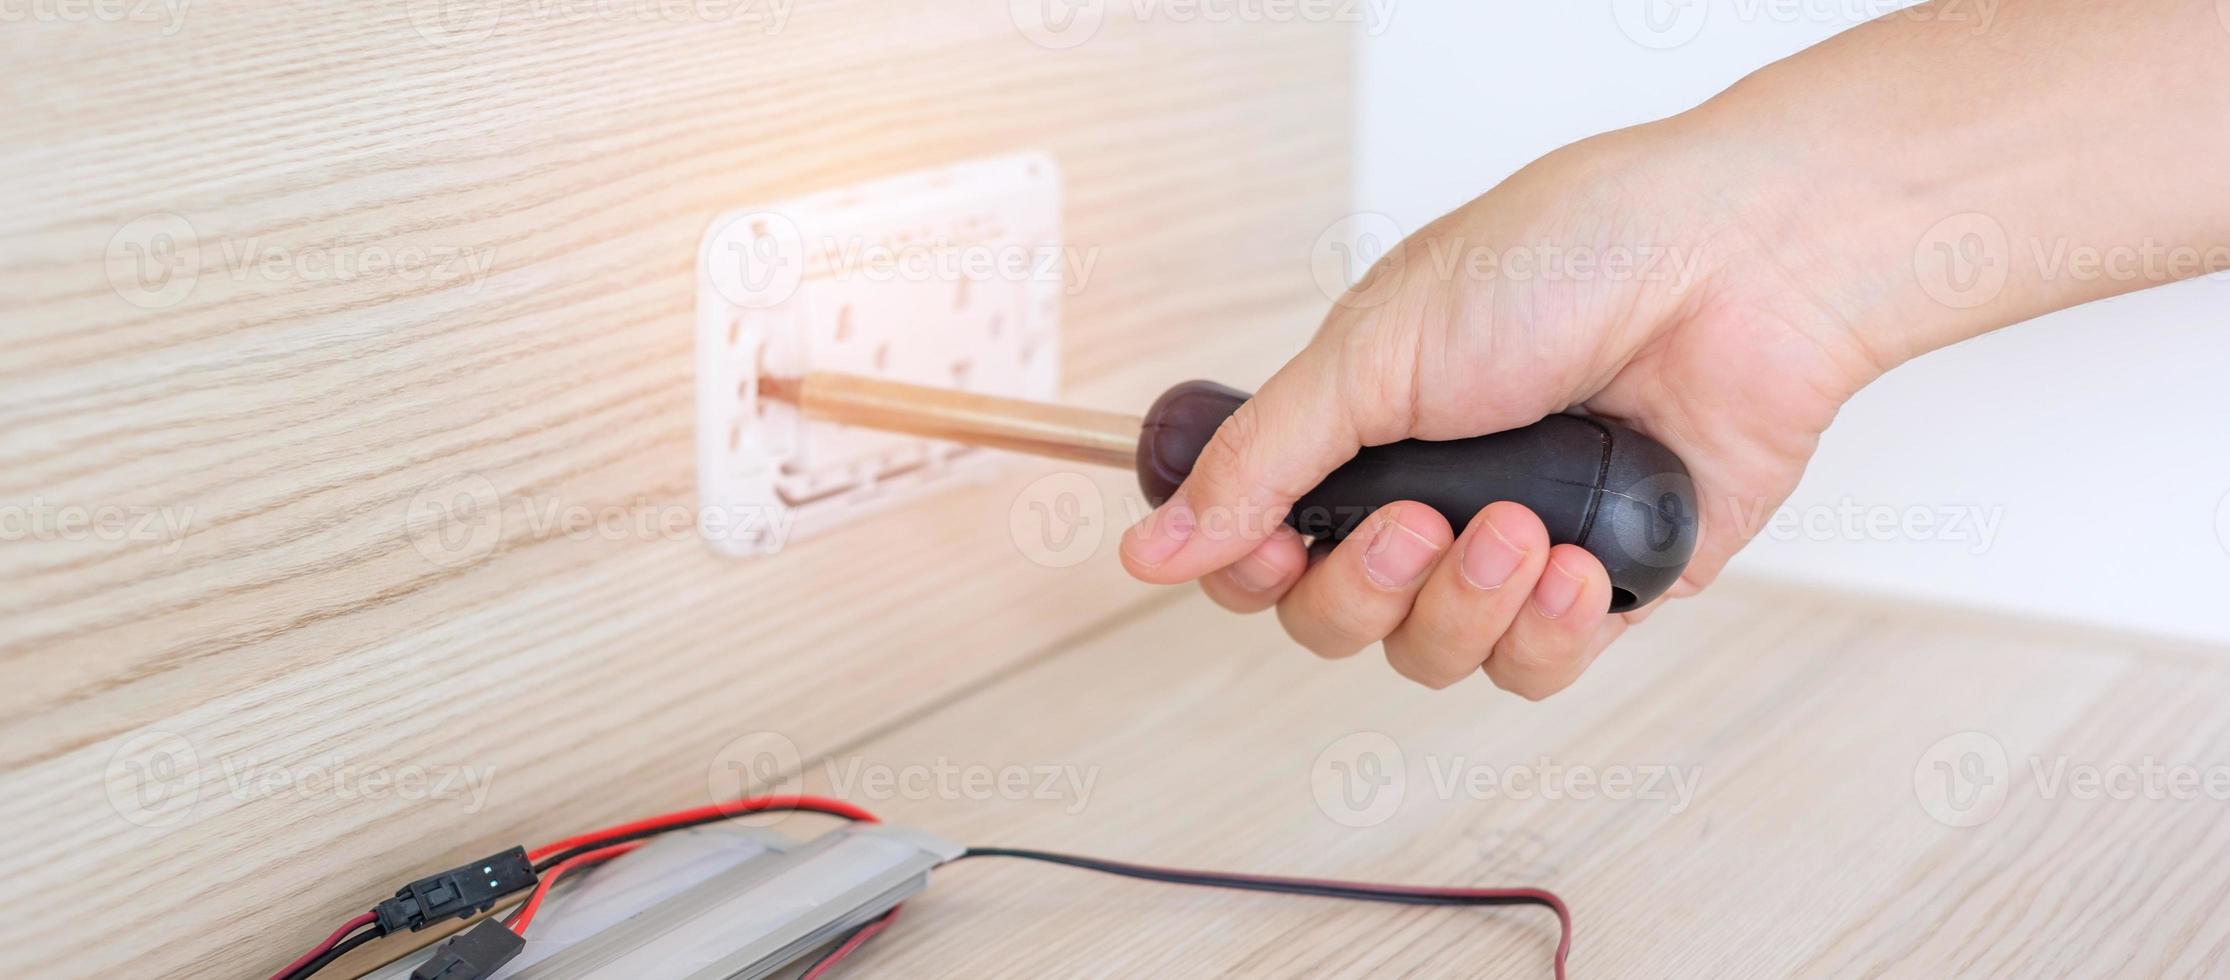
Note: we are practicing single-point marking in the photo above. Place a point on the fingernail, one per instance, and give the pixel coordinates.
(1489, 559)
(1558, 589)
(1161, 534)
(1397, 556)
(1256, 575)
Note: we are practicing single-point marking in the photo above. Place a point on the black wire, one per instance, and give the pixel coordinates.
(1210, 879)
(339, 950)
(599, 844)
(830, 953)
(1358, 891)
(838, 945)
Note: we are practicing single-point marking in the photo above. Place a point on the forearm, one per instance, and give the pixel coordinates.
(1969, 165)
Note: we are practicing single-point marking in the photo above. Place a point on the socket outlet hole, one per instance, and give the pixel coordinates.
(960, 296)
(998, 326)
(882, 358)
(844, 324)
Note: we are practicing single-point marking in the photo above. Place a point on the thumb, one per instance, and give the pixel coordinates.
(1351, 386)
(1307, 420)
(1276, 446)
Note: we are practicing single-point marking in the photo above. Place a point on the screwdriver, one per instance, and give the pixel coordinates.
(1613, 491)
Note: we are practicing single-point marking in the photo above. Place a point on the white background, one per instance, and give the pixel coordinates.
(2096, 435)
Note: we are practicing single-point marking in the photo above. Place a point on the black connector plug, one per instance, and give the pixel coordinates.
(472, 954)
(461, 892)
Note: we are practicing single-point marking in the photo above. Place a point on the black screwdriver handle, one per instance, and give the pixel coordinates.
(1620, 494)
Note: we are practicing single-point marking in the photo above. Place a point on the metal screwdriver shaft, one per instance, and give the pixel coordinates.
(1623, 496)
(1037, 428)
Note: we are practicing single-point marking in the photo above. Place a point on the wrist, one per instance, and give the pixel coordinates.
(1927, 189)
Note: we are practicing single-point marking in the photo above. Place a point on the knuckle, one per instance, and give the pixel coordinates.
(1438, 680)
(1532, 692)
(1527, 669)
(1229, 598)
(1523, 656)
(1424, 661)
(1224, 458)
(1318, 633)
(1352, 621)
(1328, 648)
(1522, 685)
(1440, 630)
(1410, 662)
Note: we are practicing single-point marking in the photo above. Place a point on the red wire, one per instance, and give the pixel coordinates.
(858, 939)
(330, 941)
(533, 903)
(1541, 895)
(729, 808)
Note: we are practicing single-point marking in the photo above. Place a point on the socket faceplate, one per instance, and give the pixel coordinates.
(950, 277)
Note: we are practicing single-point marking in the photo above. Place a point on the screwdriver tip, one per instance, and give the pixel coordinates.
(781, 389)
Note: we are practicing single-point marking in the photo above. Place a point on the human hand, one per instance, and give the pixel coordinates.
(1722, 281)
(1603, 277)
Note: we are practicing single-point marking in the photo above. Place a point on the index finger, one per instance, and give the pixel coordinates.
(1275, 447)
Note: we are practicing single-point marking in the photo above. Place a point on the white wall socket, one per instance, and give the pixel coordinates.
(950, 277)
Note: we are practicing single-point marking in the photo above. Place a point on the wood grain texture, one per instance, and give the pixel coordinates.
(286, 414)
(1202, 740)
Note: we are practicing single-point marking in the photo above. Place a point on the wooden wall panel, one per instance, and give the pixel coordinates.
(286, 416)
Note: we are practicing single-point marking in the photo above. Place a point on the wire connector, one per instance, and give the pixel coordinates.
(473, 954)
(460, 892)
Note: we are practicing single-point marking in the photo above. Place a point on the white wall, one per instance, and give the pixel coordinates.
(2098, 439)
